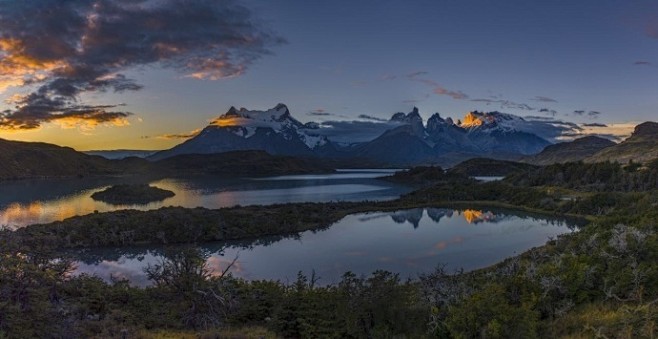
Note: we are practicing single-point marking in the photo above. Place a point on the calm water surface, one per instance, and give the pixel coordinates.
(41, 201)
(407, 242)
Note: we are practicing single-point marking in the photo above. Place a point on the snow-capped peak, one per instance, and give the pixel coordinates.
(235, 117)
(491, 121)
(244, 122)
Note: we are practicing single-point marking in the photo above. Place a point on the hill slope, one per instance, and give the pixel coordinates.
(22, 160)
(490, 167)
(239, 163)
(641, 146)
(576, 150)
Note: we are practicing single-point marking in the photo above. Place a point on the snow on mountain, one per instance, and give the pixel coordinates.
(244, 123)
(403, 140)
(493, 121)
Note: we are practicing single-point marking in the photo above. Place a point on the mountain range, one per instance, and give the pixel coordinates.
(408, 141)
(261, 142)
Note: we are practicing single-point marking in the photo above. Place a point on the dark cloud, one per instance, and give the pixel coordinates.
(548, 111)
(416, 74)
(593, 114)
(579, 112)
(320, 112)
(642, 63)
(187, 135)
(370, 117)
(543, 99)
(69, 48)
(595, 125)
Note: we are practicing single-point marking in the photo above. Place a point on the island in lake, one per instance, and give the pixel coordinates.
(139, 194)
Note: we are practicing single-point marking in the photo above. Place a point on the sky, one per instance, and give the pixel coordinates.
(146, 74)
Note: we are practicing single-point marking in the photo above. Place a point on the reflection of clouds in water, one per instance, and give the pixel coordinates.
(38, 204)
(216, 265)
(123, 269)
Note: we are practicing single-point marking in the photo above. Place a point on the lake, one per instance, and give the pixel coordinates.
(28, 202)
(406, 242)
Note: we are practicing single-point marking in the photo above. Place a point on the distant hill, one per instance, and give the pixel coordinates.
(121, 153)
(572, 151)
(240, 163)
(30, 160)
(490, 167)
(641, 146)
(424, 176)
(22, 160)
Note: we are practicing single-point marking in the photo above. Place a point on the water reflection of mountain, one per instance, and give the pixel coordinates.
(413, 216)
(437, 213)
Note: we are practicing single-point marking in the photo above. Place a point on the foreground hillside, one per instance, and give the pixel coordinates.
(601, 281)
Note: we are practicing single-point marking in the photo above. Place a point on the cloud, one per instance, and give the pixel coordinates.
(416, 74)
(64, 49)
(505, 104)
(187, 135)
(320, 112)
(370, 117)
(579, 112)
(457, 95)
(543, 99)
(549, 111)
(594, 114)
(548, 128)
(615, 131)
(354, 131)
(642, 63)
(436, 87)
(388, 77)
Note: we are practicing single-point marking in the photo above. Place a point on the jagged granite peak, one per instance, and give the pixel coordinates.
(412, 118)
(434, 122)
(231, 111)
(274, 131)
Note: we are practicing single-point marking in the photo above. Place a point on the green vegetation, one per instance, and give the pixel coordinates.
(132, 194)
(426, 176)
(490, 167)
(599, 282)
(598, 177)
